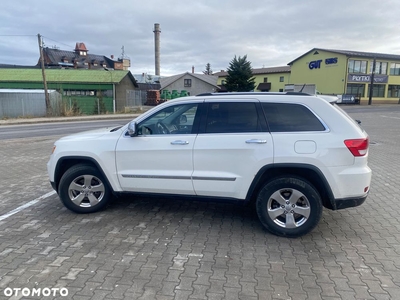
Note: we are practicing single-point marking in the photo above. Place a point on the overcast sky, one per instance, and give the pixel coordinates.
(194, 33)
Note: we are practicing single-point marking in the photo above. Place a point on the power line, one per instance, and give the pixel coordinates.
(57, 42)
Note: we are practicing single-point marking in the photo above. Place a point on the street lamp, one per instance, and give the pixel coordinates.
(113, 87)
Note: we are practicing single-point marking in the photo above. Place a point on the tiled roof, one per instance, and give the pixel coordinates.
(258, 71)
(348, 53)
(60, 75)
(56, 56)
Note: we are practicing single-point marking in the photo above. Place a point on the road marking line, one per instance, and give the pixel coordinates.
(26, 205)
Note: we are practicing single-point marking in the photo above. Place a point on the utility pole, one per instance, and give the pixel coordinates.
(371, 87)
(49, 110)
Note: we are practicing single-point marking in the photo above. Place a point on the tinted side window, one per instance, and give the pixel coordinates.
(282, 117)
(231, 117)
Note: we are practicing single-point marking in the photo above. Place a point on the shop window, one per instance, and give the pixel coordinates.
(187, 82)
(378, 90)
(395, 69)
(380, 67)
(393, 91)
(282, 79)
(357, 66)
(355, 89)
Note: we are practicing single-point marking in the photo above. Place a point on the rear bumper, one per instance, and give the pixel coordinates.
(348, 202)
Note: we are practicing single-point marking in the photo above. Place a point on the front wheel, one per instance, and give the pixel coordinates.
(289, 206)
(83, 189)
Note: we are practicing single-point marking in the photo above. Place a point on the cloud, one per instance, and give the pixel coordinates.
(194, 33)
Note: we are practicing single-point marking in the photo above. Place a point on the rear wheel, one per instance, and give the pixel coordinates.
(83, 189)
(289, 206)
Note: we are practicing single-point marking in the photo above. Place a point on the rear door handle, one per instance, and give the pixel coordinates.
(179, 142)
(256, 141)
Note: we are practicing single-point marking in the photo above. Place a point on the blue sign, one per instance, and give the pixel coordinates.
(330, 61)
(315, 64)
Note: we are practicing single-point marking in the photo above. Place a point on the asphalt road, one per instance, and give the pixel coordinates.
(58, 128)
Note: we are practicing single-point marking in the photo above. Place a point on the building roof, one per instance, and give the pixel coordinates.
(61, 75)
(57, 57)
(258, 71)
(210, 79)
(353, 54)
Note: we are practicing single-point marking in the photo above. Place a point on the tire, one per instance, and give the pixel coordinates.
(82, 189)
(289, 206)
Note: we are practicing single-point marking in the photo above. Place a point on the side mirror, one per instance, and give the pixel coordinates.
(132, 129)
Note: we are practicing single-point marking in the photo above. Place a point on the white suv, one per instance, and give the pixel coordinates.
(291, 153)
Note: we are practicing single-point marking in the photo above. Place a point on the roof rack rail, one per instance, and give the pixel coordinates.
(253, 93)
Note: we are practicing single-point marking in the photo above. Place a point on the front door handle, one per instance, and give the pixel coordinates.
(179, 142)
(256, 141)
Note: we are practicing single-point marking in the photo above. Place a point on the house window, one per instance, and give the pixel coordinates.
(282, 79)
(380, 67)
(187, 82)
(82, 53)
(393, 91)
(223, 82)
(379, 90)
(395, 69)
(280, 90)
(357, 66)
(265, 79)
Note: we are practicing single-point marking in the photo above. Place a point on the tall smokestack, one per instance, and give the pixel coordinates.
(157, 32)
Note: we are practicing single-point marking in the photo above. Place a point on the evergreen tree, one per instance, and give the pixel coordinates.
(208, 70)
(240, 76)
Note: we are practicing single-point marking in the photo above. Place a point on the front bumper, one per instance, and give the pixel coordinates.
(53, 185)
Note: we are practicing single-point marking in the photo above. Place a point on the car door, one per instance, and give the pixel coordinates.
(232, 145)
(160, 158)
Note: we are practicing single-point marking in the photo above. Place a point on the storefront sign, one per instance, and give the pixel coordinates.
(331, 61)
(316, 64)
(367, 78)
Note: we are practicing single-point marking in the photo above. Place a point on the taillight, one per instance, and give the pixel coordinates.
(358, 147)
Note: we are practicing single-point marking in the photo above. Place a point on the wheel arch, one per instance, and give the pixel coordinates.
(67, 162)
(308, 172)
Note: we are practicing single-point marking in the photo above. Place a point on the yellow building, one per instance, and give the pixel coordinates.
(349, 72)
(337, 72)
(266, 79)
